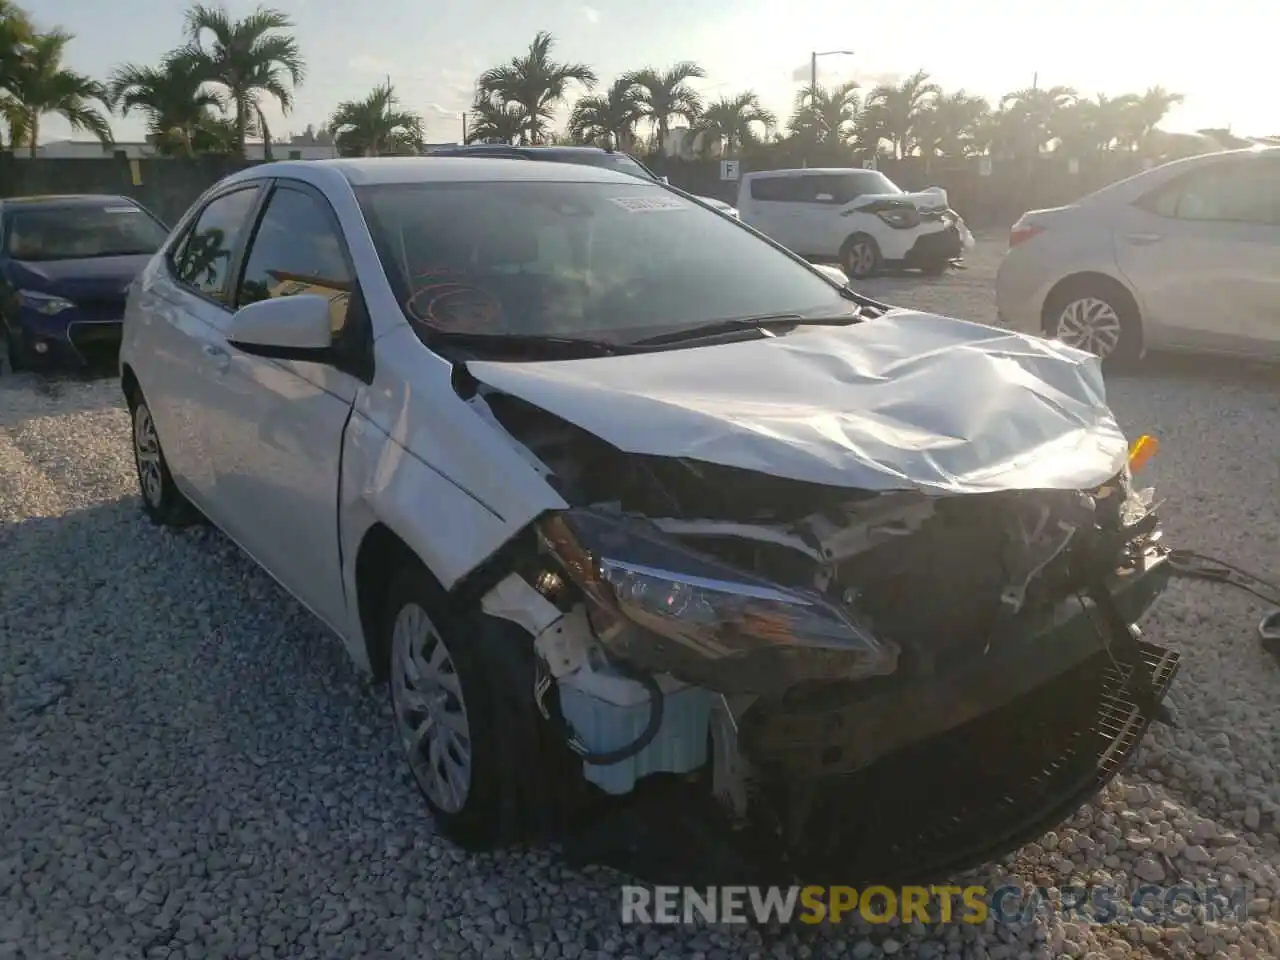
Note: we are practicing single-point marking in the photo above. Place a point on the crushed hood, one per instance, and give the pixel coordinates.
(934, 198)
(905, 401)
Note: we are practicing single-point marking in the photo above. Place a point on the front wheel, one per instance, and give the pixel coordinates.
(860, 256)
(462, 696)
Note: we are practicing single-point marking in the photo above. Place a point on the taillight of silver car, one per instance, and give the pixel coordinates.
(1022, 232)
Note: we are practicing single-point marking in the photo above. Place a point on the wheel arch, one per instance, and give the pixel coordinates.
(1090, 280)
(381, 555)
(129, 385)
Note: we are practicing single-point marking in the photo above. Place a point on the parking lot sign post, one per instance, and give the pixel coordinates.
(728, 169)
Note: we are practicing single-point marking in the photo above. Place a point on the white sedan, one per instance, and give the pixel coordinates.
(1182, 257)
(605, 482)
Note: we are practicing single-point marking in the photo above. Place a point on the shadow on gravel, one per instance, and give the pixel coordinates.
(1247, 374)
(72, 391)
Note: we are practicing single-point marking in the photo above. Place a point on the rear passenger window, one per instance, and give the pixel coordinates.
(203, 261)
(783, 189)
(297, 250)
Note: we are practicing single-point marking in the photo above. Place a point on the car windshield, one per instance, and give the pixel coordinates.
(599, 261)
(870, 181)
(610, 161)
(83, 231)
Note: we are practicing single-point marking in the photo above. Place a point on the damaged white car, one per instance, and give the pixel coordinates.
(620, 496)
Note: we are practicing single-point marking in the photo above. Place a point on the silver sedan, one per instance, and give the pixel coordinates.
(1185, 256)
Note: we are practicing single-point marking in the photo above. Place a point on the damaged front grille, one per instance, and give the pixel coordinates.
(982, 789)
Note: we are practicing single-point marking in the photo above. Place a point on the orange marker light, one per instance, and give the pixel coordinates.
(1142, 451)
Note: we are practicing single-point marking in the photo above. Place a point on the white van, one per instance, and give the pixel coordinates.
(859, 217)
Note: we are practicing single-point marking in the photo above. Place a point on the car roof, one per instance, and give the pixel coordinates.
(544, 149)
(53, 201)
(805, 172)
(461, 169)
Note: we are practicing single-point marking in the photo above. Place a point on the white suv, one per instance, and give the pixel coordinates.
(859, 217)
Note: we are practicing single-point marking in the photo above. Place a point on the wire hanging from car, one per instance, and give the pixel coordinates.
(1192, 565)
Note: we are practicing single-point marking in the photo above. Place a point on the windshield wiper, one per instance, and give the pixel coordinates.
(525, 343)
(764, 321)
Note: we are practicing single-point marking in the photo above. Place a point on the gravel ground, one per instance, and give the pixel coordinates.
(189, 767)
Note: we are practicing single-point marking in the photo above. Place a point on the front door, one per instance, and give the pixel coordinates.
(278, 460)
(1204, 252)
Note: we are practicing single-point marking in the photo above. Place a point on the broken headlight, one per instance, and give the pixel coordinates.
(667, 609)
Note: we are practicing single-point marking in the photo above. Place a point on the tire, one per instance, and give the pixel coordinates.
(18, 359)
(462, 698)
(860, 256)
(1098, 316)
(162, 501)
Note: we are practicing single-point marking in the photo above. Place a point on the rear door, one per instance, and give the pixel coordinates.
(776, 208)
(1203, 252)
(180, 315)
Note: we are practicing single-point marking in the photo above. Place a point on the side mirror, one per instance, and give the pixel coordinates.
(295, 327)
(832, 273)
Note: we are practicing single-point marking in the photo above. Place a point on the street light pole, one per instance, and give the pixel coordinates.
(813, 75)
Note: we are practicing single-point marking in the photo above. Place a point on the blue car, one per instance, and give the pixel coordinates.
(66, 263)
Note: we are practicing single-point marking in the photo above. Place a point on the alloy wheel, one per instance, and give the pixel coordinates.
(431, 715)
(146, 451)
(862, 258)
(1090, 324)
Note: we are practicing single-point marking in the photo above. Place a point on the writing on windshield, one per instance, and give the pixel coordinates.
(82, 232)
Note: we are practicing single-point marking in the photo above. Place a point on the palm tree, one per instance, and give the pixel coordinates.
(249, 57)
(1035, 111)
(1090, 126)
(493, 121)
(611, 117)
(1145, 113)
(950, 125)
(732, 121)
(173, 96)
(534, 82)
(664, 94)
(896, 109)
(826, 115)
(16, 33)
(38, 85)
(375, 125)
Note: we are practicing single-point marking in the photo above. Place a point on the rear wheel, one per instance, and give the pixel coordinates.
(1097, 316)
(860, 256)
(162, 501)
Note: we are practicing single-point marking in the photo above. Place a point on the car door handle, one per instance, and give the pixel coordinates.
(221, 358)
(1144, 239)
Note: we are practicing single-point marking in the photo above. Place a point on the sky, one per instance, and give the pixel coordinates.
(433, 51)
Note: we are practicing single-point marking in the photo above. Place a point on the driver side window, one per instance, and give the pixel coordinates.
(297, 249)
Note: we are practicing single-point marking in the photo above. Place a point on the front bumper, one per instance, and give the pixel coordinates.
(912, 784)
(942, 246)
(78, 335)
